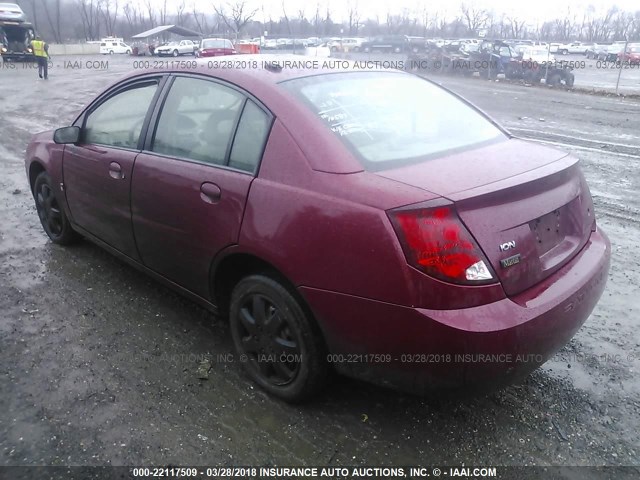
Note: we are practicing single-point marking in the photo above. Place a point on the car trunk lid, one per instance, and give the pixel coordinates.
(527, 206)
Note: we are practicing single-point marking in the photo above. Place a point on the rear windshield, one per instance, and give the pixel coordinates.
(390, 119)
(214, 44)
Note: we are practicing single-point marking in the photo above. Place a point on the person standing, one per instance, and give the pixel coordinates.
(41, 51)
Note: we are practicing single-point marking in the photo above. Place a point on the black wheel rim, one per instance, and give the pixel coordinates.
(268, 339)
(49, 210)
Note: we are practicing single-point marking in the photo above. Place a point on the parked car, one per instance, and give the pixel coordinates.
(591, 50)
(346, 45)
(111, 46)
(609, 53)
(332, 216)
(631, 55)
(177, 48)
(215, 47)
(12, 12)
(573, 47)
(385, 43)
(323, 50)
(270, 44)
(284, 43)
(539, 55)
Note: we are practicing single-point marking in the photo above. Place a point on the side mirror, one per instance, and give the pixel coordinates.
(67, 135)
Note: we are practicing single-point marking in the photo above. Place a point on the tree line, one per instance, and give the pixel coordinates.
(63, 21)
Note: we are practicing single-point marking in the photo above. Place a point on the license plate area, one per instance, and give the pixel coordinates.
(547, 231)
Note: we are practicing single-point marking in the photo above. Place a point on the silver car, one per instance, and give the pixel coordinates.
(183, 47)
(12, 11)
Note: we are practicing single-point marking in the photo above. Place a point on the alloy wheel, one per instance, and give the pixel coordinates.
(268, 339)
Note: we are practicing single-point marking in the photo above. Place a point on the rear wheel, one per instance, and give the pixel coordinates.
(553, 80)
(278, 342)
(569, 79)
(52, 217)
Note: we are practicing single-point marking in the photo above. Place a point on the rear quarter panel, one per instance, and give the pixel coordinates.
(325, 230)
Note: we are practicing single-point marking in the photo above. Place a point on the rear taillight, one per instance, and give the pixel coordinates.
(436, 242)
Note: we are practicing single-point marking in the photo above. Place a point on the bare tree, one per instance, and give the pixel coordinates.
(353, 16)
(109, 9)
(53, 19)
(238, 17)
(474, 17)
(150, 10)
(163, 13)
(286, 18)
(180, 14)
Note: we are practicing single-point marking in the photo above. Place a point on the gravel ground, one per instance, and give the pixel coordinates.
(98, 363)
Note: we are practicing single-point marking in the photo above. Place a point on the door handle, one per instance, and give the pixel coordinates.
(210, 192)
(115, 171)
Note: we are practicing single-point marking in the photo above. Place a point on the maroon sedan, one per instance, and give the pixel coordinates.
(215, 47)
(631, 55)
(366, 221)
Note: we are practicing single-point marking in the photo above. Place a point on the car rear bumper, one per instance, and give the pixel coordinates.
(418, 349)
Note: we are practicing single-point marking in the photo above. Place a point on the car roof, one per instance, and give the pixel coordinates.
(269, 69)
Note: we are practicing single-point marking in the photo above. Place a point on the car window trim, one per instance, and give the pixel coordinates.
(112, 92)
(152, 127)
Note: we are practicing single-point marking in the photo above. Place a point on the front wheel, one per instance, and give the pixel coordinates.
(278, 342)
(52, 217)
(176, 53)
(570, 80)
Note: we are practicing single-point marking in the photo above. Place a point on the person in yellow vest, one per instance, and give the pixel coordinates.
(41, 51)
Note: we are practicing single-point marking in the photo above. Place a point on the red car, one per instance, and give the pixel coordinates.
(366, 221)
(631, 55)
(215, 47)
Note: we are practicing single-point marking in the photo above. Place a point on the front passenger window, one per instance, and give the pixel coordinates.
(118, 121)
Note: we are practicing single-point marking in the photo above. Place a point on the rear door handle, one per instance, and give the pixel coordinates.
(210, 192)
(115, 171)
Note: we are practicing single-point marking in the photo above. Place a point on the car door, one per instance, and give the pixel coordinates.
(97, 171)
(191, 183)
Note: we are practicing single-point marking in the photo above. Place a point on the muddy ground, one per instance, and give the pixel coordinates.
(98, 363)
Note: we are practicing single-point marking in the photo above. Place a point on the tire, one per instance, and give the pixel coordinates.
(554, 80)
(367, 49)
(267, 321)
(397, 50)
(570, 80)
(128, 52)
(176, 53)
(52, 217)
(564, 52)
(110, 52)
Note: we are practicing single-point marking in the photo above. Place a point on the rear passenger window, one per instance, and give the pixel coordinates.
(250, 138)
(197, 120)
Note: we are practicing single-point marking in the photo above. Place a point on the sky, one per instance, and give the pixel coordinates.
(533, 11)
